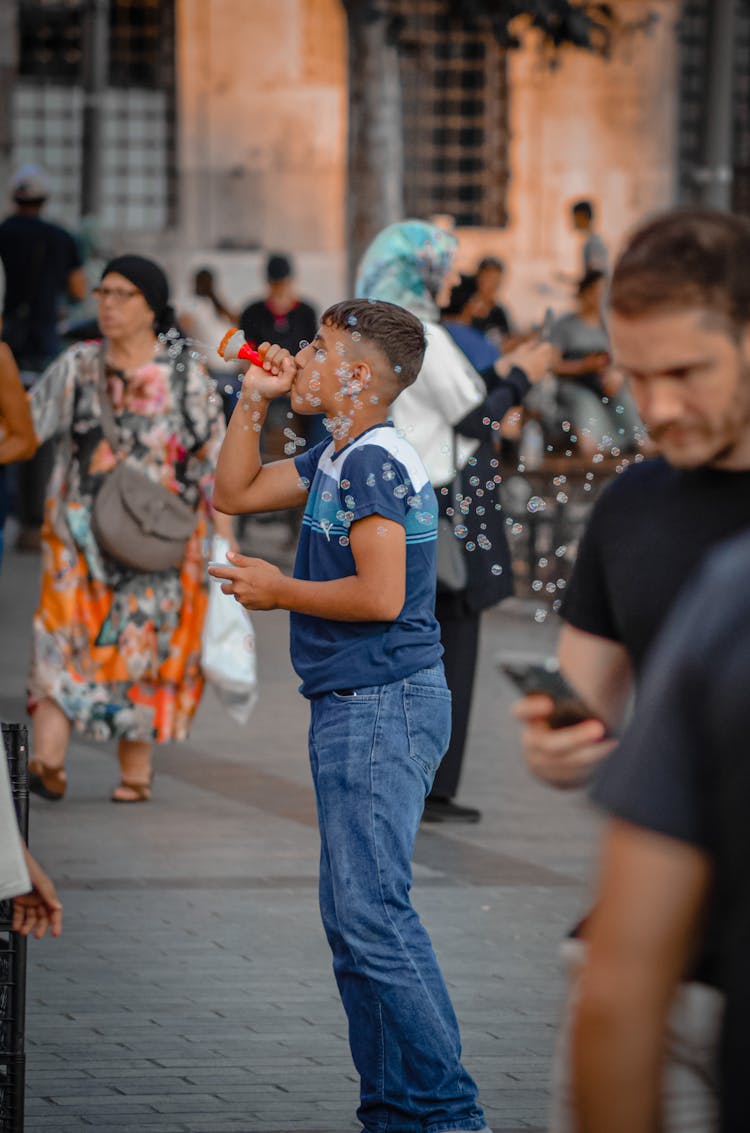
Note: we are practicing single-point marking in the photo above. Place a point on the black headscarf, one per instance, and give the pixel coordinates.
(151, 281)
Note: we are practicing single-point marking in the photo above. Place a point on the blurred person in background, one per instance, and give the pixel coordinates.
(458, 318)
(452, 415)
(116, 650)
(284, 319)
(42, 266)
(594, 255)
(17, 439)
(490, 317)
(590, 396)
(204, 319)
(679, 319)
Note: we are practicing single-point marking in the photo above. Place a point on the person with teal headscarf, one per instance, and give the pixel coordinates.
(451, 416)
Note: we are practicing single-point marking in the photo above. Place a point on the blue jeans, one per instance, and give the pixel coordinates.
(373, 755)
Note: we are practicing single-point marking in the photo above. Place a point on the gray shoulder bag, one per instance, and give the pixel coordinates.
(137, 522)
(452, 568)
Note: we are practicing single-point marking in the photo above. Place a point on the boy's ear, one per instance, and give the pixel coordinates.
(361, 375)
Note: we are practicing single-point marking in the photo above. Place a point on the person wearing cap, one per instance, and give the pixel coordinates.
(116, 651)
(42, 265)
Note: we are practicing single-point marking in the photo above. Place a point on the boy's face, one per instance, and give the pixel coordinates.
(329, 380)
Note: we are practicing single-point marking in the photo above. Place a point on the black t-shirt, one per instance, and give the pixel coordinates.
(683, 770)
(496, 320)
(260, 324)
(38, 258)
(649, 530)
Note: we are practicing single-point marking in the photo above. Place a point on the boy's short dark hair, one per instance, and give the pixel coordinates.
(683, 259)
(493, 263)
(397, 333)
(583, 208)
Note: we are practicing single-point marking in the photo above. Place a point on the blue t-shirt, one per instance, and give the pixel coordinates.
(378, 473)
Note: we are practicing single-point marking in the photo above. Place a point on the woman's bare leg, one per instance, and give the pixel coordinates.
(135, 768)
(50, 730)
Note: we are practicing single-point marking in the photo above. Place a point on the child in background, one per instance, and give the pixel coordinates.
(366, 646)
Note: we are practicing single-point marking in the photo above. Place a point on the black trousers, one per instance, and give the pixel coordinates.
(33, 477)
(459, 633)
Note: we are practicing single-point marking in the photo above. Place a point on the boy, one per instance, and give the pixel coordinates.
(366, 645)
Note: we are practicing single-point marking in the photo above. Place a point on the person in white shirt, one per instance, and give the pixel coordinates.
(451, 415)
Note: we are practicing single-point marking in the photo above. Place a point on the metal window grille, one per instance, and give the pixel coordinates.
(139, 140)
(694, 27)
(455, 99)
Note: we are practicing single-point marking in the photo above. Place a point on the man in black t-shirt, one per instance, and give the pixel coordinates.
(679, 324)
(42, 264)
(676, 857)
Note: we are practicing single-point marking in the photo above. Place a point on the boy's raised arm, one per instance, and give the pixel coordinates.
(242, 483)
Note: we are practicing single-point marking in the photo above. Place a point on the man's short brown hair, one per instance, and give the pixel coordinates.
(397, 334)
(686, 258)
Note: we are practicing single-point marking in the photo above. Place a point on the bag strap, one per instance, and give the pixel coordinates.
(109, 425)
(455, 482)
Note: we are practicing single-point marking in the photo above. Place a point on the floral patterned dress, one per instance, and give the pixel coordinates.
(119, 650)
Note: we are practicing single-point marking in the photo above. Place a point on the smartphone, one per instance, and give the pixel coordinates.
(542, 675)
(547, 323)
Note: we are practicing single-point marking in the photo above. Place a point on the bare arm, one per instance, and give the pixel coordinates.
(77, 284)
(600, 671)
(39, 909)
(375, 592)
(652, 894)
(19, 441)
(242, 483)
(573, 367)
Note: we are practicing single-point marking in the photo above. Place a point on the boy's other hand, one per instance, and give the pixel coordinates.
(276, 376)
(253, 583)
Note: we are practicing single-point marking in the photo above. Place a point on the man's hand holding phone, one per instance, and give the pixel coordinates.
(562, 740)
(562, 757)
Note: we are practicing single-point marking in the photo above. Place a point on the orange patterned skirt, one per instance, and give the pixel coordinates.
(118, 651)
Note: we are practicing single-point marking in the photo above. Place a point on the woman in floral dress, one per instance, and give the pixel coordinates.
(116, 652)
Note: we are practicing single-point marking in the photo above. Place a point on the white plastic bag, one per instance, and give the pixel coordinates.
(228, 656)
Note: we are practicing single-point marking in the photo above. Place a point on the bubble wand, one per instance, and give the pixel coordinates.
(235, 346)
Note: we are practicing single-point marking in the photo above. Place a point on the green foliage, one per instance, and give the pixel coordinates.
(576, 22)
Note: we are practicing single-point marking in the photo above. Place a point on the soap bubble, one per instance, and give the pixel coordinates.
(344, 540)
(471, 546)
(496, 569)
(461, 531)
(535, 504)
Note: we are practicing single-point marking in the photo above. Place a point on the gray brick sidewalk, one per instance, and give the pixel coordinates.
(191, 990)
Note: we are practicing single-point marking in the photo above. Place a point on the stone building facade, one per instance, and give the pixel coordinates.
(259, 144)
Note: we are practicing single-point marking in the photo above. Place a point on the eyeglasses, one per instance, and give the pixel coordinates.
(118, 294)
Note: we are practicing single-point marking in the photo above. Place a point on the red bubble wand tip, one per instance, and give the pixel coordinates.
(233, 346)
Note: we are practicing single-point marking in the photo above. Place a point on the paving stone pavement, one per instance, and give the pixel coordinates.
(191, 990)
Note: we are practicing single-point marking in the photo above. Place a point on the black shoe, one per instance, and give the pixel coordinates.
(445, 810)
